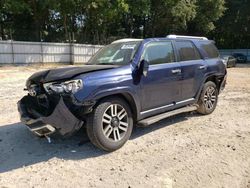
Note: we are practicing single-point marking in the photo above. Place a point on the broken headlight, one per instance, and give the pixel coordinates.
(71, 86)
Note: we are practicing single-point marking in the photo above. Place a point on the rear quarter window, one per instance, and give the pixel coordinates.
(187, 51)
(210, 49)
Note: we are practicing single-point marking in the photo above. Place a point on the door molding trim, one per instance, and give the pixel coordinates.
(166, 106)
(187, 100)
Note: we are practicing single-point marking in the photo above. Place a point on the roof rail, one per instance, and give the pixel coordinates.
(126, 40)
(187, 37)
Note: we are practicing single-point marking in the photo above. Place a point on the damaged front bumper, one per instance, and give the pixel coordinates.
(61, 120)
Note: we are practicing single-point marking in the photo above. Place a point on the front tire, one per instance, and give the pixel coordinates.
(208, 98)
(110, 124)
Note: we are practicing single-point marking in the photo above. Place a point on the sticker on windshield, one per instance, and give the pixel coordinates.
(128, 46)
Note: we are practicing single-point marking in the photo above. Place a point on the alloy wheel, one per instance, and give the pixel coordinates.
(115, 122)
(210, 98)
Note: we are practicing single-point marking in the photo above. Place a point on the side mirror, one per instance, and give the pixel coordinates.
(144, 65)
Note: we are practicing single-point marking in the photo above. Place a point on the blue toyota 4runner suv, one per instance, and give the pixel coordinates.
(130, 81)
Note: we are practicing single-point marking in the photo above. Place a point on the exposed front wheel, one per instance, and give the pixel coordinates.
(208, 98)
(110, 125)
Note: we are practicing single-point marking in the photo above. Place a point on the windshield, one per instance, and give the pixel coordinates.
(115, 54)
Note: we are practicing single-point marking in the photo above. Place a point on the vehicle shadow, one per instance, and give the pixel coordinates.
(19, 147)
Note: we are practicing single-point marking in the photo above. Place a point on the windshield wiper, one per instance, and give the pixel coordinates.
(104, 63)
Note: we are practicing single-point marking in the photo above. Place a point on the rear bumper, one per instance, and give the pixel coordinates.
(61, 120)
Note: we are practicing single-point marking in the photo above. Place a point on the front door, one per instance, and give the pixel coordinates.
(161, 87)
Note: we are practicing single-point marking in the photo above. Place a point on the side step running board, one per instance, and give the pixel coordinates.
(154, 119)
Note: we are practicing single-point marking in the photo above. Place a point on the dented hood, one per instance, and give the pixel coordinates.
(64, 73)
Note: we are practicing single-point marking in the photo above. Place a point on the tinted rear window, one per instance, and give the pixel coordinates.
(210, 49)
(187, 51)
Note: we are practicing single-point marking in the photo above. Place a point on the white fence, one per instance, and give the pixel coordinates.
(246, 52)
(16, 52)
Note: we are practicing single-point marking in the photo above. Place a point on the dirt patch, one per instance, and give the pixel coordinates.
(187, 150)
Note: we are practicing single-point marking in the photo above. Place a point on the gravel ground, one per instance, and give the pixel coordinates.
(187, 150)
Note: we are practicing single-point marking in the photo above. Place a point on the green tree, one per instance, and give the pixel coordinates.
(233, 29)
(158, 17)
(8, 10)
(207, 13)
(102, 21)
(170, 16)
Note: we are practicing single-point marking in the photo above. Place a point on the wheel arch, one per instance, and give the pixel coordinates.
(127, 97)
(217, 79)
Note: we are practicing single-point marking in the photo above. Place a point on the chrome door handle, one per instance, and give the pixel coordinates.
(175, 71)
(202, 67)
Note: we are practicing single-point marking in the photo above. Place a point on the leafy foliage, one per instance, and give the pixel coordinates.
(233, 29)
(102, 21)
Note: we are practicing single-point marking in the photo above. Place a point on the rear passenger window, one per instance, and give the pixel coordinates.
(210, 49)
(159, 52)
(187, 51)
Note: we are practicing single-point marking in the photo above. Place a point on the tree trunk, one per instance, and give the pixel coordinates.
(65, 27)
(36, 21)
(1, 31)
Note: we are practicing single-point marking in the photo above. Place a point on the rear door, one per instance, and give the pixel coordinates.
(193, 68)
(161, 87)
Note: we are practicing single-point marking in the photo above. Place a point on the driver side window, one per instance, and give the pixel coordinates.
(159, 53)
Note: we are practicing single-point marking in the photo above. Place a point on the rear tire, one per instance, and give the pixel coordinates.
(208, 98)
(110, 124)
